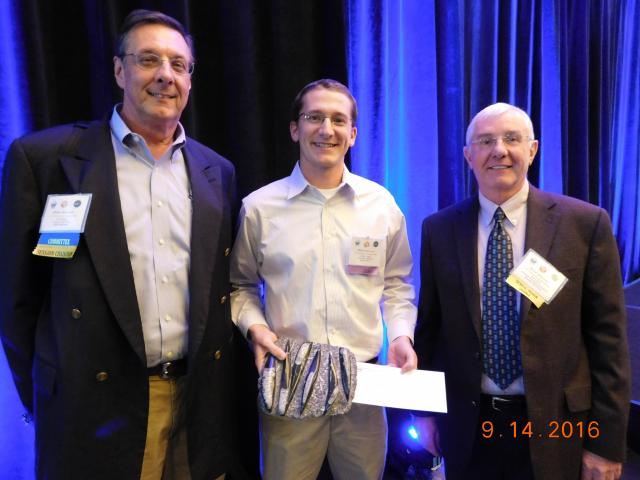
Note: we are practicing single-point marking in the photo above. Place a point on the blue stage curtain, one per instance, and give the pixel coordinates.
(14, 107)
(421, 69)
(16, 438)
(623, 163)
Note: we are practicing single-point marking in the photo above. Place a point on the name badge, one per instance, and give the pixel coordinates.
(537, 279)
(364, 256)
(62, 222)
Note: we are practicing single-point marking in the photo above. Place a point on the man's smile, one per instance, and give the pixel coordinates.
(161, 95)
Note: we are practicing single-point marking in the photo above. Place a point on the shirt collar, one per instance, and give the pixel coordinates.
(513, 208)
(122, 132)
(298, 184)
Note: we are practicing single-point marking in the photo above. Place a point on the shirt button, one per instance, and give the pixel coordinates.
(227, 251)
(169, 354)
(102, 376)
(161, 241)
(76, 314)
(167, 318)
(165, 279)
(217, 355)
(159, 203)
(223, 299)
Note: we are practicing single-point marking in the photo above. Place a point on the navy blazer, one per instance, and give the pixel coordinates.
(71, 329)
(574, 350)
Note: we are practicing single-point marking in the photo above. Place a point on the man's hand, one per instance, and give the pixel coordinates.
(263, 341)
(401, 354)
(595, 467)
(428, 435)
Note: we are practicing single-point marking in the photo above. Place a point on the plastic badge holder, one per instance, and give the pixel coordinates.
(314, 380)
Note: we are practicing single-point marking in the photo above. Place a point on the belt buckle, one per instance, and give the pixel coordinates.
(165, 371)
(498, 399)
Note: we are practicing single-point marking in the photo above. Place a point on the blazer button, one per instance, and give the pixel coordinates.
(477, 355)
(227, 251)
(76, 314)
(474, 403)
(102, 376)
(217, 355)
(223, 299)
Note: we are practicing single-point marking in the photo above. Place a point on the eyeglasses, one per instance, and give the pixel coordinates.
(510, 139)
(151, 61)
(317, 118)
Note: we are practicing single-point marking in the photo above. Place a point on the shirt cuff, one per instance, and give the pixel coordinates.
(399, 329)
(248, 319)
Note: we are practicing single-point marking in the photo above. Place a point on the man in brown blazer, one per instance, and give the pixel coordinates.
(532, 392)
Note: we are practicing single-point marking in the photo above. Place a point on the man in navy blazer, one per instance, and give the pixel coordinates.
(562, 411)
(121, 355)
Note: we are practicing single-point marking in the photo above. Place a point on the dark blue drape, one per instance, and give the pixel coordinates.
(16, 438)
(421, 69)
(14, 107)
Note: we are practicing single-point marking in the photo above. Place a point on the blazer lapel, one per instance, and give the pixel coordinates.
(207, 202)
(92, 170)
(542, 224)
(466, 237)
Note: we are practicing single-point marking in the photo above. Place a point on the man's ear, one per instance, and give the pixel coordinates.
(533, 149)
(467, 154)
(293, 130)
(118, 71)
(352, 137)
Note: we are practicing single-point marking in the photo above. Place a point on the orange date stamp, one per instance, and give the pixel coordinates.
(553, 429)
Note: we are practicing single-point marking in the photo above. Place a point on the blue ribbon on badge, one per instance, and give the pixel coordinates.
(57, 244)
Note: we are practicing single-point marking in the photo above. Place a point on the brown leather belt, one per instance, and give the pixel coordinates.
(169, 370)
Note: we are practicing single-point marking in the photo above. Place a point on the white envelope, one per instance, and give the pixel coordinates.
(389, 387)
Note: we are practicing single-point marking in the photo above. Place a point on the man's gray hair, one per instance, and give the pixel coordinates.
(140, 17)
(496, 110)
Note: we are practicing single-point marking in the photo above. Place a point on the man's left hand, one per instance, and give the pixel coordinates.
(402, 355)
(595, 467)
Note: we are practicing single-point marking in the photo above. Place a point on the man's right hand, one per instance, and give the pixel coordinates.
(263, 341)
(428, 436)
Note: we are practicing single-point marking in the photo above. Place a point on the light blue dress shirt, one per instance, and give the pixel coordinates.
(156, 209)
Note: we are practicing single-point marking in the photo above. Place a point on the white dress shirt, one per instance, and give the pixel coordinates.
(289, 264)
(515, 210)
(156, 208)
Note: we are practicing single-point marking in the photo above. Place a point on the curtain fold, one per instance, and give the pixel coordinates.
(623, 192)
(16, 438)
(392, 63)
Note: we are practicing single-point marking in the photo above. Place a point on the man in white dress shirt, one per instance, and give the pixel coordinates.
(294, 276)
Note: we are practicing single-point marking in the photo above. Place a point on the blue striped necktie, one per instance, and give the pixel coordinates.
(501, 358)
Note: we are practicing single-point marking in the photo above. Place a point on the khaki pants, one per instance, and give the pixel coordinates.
(355, 444)
(165, 451)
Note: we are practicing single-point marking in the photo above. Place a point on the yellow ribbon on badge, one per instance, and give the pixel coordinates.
(55, 251)
(515, 282)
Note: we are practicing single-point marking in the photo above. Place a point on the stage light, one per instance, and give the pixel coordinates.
(406, 457)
